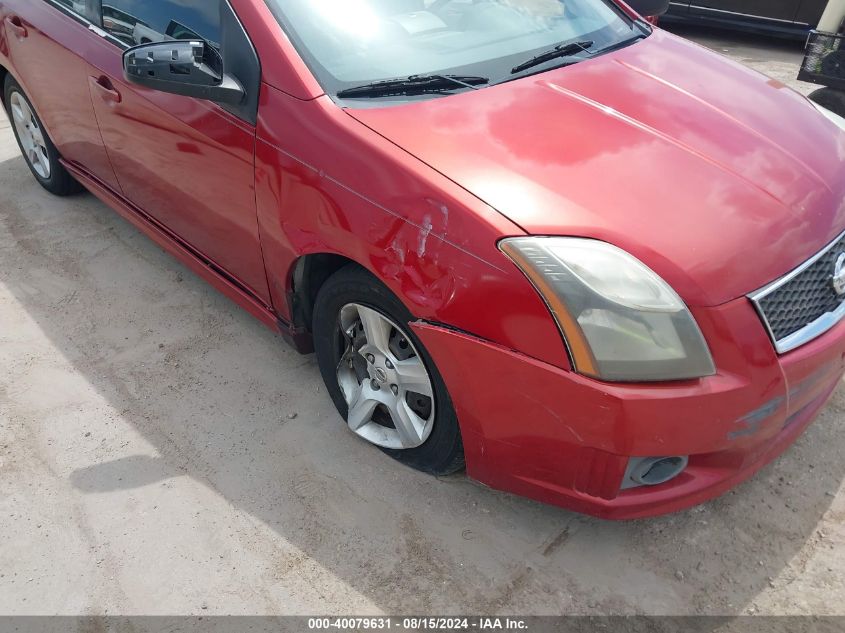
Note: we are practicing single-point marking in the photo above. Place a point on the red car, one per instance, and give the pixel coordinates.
(600, 265)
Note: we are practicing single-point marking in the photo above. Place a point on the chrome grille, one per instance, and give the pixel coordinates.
(803, 305)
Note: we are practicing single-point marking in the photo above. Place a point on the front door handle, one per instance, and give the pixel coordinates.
(103, 86)
(17, 27)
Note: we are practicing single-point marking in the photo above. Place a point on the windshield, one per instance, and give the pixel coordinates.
(348, 43)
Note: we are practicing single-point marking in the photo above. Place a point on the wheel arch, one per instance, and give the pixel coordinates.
(307, 275)
(4, 72)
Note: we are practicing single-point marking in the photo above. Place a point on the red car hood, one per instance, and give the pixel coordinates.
(717, 177)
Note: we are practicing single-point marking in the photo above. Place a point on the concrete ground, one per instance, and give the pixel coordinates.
(163, 453)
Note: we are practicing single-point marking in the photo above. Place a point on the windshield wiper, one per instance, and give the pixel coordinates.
(414, 85)
(621, 44)
(561, 50)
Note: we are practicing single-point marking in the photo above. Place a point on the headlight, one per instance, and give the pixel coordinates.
(620, 320)
(830, 115)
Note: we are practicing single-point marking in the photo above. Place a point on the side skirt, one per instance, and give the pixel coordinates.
(194, 260)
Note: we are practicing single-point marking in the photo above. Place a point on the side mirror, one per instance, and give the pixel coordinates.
(190, 68)
(649, 8)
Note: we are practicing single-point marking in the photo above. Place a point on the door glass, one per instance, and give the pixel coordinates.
(78, 7)
(143, 21)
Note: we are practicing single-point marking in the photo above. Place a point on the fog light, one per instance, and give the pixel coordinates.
(652, 471)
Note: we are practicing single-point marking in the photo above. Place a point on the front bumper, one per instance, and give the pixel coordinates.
(546, 433)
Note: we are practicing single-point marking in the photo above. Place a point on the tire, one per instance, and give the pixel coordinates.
(345, 296)
(833, 100)
(46, 168)
(833, 65)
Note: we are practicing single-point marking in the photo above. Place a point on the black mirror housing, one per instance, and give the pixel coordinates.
(190, 68)
(649, 8)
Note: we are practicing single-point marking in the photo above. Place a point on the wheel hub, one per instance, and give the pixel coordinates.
(32, 139)
(391, 402)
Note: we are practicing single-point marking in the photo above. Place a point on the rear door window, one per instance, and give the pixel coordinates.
(136, 22)
(74, 6)
(79, 8)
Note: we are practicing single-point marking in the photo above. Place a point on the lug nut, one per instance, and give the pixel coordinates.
(394, 389)
(374, 384)
(371, 359)
(388, 364)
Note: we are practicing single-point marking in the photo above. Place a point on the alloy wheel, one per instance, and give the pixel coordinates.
(31, 135)
(382, 376)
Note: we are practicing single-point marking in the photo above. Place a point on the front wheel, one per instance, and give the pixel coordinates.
(381, 379)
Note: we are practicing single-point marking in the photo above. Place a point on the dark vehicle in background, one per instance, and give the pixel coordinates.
(787, 18)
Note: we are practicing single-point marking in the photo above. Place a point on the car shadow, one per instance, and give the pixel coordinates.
(221, 399)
